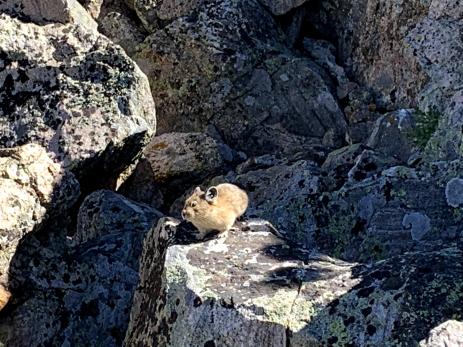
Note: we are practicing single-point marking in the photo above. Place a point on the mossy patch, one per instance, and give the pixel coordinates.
(425, 126)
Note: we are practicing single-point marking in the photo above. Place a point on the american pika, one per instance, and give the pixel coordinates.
(215, 209)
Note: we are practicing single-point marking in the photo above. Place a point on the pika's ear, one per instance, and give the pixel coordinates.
(211, 194)
(198, 190)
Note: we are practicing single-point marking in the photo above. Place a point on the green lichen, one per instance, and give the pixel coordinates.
(278, 306)
(425, 126)
(338, 329)
(339, 232)
(372, 249)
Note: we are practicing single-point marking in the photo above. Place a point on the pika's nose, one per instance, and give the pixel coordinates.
(183, 214)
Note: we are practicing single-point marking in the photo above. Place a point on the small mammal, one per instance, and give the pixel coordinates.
(217, 208)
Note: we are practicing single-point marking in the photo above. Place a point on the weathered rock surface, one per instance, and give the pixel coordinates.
(449, 334)
(287, 205)
(397, 302)
(370, 39)
(280, 7)
(391, 135)
(32, 187)
(73, 91)
(93, 7)
(104, 212)
(185, 155)
(154, 13)
(408, 53)
(401, 210)
(252, 289)
(352, 163)
(226, 70)
(122, 30)
(172, 162)
(84, 294)
(246, 285)
(48, 11)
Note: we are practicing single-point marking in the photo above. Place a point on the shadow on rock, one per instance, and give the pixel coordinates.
(67, 293)
(397, 301)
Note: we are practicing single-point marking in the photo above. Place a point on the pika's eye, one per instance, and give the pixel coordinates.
(193, 204)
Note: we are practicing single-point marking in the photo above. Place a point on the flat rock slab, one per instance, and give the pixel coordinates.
(242, 290)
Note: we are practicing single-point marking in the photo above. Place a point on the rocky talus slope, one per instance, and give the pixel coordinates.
(341, 119)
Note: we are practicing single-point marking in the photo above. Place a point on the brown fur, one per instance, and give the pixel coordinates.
(218, 213)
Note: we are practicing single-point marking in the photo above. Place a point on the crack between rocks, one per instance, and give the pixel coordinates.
(288, 331)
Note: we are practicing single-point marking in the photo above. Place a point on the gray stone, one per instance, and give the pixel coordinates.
(172, 162)
(418, 223)
(323, 53)
(396, 211)
(288, 204)
(280, 7)
(370, 39)
(93, 7)
(257, 95)
(48, 11)
(352, 163)
(408, 53)
(390, 135)
(104, 212)
(84, 294)
(248, 285)
(448, 334)
(454, 192)
(74, 92)
(32, 188)
(440, 57)
(256, 290)
(153, 13)
(122, 30)
(394, 303)
(189, 155)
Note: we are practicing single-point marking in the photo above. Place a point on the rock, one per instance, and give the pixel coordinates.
(84, 294)
(361, 112)
(257, 95)
(281, 7)
(397, 211)
(122, 30)
(104, 212)
(74, 92)
(247, 285)
(397, 302)
(353, 163)
(32, 188)
(418, 223)
(48, 11)
(154, 13)
(370, 38)
(391, 135)
(291, 24)
(408, 54)
(256, 290)
(176, 155)
(454, 192)
(93, 7)
(449, 333)
(172, 162)
(323, 53)
(446, 9)
(288, 204)
(140, 186)
(369, 163)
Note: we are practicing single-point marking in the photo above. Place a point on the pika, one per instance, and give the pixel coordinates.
(217, 208)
